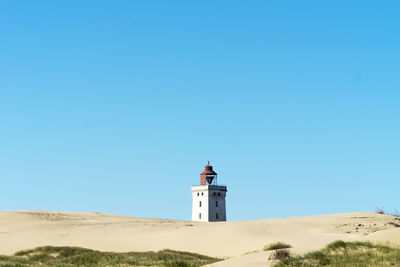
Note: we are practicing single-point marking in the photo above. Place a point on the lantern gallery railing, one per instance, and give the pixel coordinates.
(216, 187)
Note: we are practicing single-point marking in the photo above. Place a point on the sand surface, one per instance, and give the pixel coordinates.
(28, 229)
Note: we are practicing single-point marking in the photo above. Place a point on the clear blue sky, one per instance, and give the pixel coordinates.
(116, 106)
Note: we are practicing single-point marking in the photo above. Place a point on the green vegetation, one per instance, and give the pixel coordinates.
(75, 256)
(340, 253)
(276, 245)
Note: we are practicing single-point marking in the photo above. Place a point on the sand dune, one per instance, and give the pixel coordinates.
(27, 229)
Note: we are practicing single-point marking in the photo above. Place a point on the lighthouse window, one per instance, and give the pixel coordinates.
(202, 193)
(200, 204)
(214, 194)
(199, 215)
(216, 216)
(216, 203)
(219, 194)
(197, 194)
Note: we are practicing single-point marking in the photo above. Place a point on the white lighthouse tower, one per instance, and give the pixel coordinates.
(208, 198)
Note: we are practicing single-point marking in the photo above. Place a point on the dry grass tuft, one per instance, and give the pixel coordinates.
(276, 245)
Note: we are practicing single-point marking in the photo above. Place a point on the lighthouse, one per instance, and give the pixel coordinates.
(208, 198)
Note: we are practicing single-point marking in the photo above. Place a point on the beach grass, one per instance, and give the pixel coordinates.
(75, 256)
(352, 254)
(276, 245)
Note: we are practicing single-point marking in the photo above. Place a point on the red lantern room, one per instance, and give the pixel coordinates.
(208, 175)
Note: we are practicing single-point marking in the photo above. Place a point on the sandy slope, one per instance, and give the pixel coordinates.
(28, 229)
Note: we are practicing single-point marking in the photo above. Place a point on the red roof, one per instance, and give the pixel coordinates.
(208, 170)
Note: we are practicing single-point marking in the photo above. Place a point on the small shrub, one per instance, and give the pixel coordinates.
(280, 254)
(276, 245)
(395, 213)
(380, 210)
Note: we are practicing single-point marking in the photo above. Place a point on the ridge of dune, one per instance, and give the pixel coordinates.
(28, 229)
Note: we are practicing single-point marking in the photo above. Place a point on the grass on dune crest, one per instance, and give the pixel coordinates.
(76, 256)
(276, 245)
(352, 254)
(271, 246)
